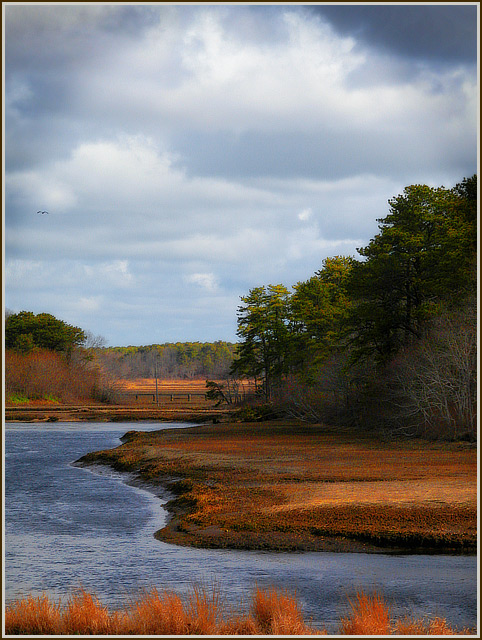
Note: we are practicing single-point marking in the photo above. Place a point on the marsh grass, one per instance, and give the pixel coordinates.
(282, 485)
(370, 615)
(33, 616)
(202, 612)
(279, 613)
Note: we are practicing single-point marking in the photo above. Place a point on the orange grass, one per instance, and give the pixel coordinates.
(84, 614)
(283, 485)
(38, 616)
(278, 613)
(149, 384)
(435, 627)
(272, 612)
(185, 393)
(370, 616)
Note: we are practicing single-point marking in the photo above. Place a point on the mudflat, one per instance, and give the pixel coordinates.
(288, 486)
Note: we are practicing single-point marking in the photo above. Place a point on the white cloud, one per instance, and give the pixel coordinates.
(21, 274)
(206, 281)
(112, 274)
(204, 76)
(305, 215)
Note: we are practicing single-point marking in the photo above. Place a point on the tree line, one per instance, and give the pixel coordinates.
(46, 356)
(180, 360)
(388, 338)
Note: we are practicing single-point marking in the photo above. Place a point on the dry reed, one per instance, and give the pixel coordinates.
(370, 616)
(272, 612)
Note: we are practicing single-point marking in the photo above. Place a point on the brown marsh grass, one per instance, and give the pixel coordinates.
(184, 393)
(195, 385)
(282, 485)
(272, 612)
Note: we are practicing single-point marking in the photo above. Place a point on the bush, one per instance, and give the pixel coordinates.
(44, 374)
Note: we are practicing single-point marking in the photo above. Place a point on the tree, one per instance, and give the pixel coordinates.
(319, 309)
(423, 256)
(263, 352)
(227, 392)
(26, 331)
(436, 379)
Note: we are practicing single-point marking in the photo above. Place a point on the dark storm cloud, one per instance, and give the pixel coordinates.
(437, 33)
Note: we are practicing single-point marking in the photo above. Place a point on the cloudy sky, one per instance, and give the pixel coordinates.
(187, 153)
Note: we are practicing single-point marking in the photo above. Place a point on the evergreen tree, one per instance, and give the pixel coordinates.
(319, 309)
(421, 256)
(263, 352)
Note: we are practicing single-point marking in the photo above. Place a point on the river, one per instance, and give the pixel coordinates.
(67, 526)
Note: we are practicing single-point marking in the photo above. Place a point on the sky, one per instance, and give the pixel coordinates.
(187, 153)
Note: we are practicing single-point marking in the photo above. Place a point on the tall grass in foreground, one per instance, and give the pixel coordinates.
(272, 612)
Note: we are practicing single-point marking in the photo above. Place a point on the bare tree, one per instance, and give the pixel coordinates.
(437, 377)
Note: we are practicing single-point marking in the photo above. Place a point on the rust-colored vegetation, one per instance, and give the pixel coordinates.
(174, 393)
(167, 385)
(203, 612)
(283, 485)
(43, 376)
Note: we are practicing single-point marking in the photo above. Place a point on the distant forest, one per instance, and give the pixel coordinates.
(180, 360)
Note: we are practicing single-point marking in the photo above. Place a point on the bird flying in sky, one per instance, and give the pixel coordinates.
(42, 212)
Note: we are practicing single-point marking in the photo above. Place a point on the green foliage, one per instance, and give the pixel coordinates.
(26, 332)
(422, 256)
(330, 343)
(51, 398)
(17, 398)
(263, 326)
(319, 309)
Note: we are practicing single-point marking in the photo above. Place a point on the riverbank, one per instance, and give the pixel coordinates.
(108, 413)
(288, 486)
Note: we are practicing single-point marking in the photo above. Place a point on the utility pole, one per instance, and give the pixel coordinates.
(157, 394)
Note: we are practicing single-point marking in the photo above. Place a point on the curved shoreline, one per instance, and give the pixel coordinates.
(216, 538)
(190, 523)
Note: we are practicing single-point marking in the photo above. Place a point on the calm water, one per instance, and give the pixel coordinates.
(66, 526)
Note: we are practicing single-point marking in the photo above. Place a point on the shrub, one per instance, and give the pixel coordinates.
(52, 376)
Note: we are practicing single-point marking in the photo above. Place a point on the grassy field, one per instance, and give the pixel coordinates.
(169, 391)
(183, 393)
(136, 400)
(203, 613)
(286, 486)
